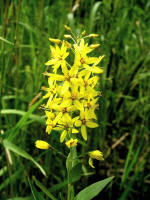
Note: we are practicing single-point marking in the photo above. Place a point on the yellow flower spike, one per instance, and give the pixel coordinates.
(40, 144)
(72, 93)
(94, 46)
(71, 143)
(56, 41)
(68, 28)
(93, 35)
(96, 154)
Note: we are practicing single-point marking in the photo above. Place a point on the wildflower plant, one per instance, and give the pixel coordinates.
(72, 97)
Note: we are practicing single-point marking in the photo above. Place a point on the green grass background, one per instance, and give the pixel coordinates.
(124, 115)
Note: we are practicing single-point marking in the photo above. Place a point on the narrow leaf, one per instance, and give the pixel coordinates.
(75, 173)
(35, 193)
(91, 191)
(44, 189)
(22, 153)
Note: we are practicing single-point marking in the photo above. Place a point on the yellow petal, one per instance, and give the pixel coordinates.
(78, 105)
(71, 143)
(91, 124)
(96, 154)
(75, 130)
(63, 135)
(84, 132)
(91, 162)
(78, 123)
(40, 144)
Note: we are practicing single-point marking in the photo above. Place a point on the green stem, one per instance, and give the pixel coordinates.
(70, 162)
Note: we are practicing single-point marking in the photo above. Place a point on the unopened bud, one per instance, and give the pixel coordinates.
(68, 28)
(94, 46)
(56, 41)
(68, 36)
(83, 33)
(68, 45)
(40, 144)
(93, 35)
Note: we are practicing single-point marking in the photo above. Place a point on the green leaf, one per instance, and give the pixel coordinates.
(44, 189)
(72, 159)
(75, 173)
(11, 179)
(92, 15)
(69, 162)
(58, 186)
(35, 193)
(91, 191)
(21, 198)
(22, 153)
(12, 133)
(7, 41)
(22, 113)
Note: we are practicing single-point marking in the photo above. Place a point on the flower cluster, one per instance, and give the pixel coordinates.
(71, 93)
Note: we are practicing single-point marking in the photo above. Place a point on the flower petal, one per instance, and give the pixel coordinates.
(63, 135)
(91, 162)
(84, 132)
(91, 124)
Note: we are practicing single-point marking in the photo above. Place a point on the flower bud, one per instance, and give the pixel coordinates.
(68, 28)
(68, 45)
(68, 36)
(83, 33)
(40, 144)
(56, 41)
(93, 35)
(94, 46)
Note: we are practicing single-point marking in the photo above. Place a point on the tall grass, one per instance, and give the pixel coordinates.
(123, 135)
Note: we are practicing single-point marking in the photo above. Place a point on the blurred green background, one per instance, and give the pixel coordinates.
(124, 115)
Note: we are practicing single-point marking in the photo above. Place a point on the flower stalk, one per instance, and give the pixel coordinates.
(72, 95)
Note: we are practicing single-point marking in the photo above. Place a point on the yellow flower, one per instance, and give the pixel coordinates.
(58, 57)
(51, 122)
(96, 154)
(71, 143)
(71, 93)
(40, 144)
(85, 121)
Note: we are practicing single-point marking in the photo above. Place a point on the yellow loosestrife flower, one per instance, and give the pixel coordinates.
(71, 93)
(96, 154)
(71, 143)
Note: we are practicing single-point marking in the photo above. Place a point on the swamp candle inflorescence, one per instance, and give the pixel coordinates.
(72, 92)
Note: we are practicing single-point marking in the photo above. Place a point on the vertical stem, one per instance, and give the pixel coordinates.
(70, 160)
